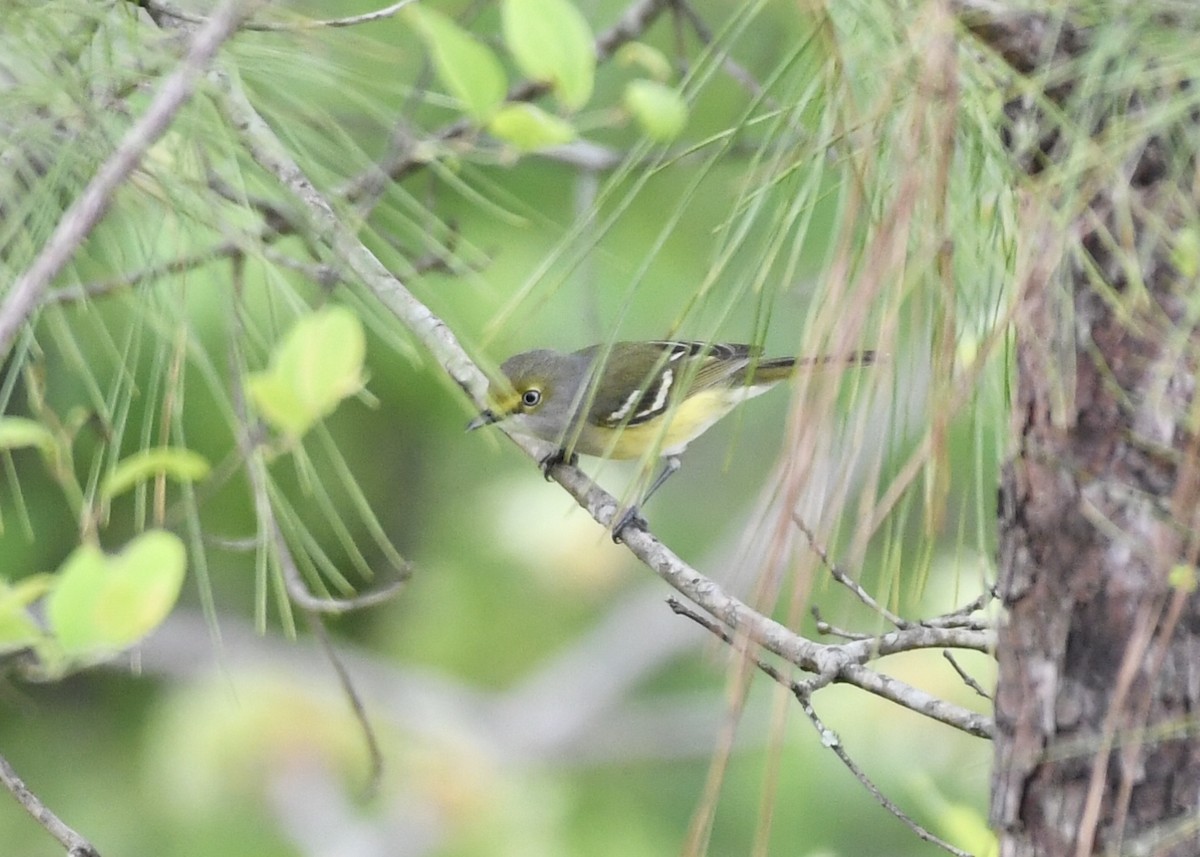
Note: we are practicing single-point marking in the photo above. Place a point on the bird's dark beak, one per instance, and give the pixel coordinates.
(484, 419)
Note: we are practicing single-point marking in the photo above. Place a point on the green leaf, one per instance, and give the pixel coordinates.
(279, 404)
(102, 604)
(180, 464)
(1183, 577)
(659, 109)
(323, 355)
(1185, 254)
(552, 42)
(647, 57)
(18, 630)
(528, 127)
(465, 66)
(318, 363)
(17, 432)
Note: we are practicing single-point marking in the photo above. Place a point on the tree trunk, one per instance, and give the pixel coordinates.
(1099, 654)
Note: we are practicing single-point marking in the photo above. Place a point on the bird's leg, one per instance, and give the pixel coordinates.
(559, 456)
(670, 465)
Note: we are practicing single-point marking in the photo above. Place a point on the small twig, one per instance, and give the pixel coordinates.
(962, 618)
(845, 579)
(100, 288)
(280, 26)
(964, 675)
(75, 844)
(85, 212)
(293, 580)
(374, 754)
(830, 739)
(824, 627)
(803, 692)
(325, 276)
(732, 68)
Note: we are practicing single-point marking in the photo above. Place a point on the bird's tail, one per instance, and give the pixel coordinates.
(779, 368)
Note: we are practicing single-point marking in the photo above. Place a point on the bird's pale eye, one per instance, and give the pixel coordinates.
(531, 397)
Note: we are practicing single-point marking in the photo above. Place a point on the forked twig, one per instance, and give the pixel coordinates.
(803, 692)
(846, 580)
(967, 678)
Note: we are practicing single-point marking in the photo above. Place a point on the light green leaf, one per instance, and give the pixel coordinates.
(1183, 577)
(647, 57)
(1185, 254)
(180, 464)
(102, 604)
(18, 432)
(323, 356)
(318, 363)
(659, 109)
(465, 66)
(279, 404)
(528, 127)
(18, 630)
(552, 42)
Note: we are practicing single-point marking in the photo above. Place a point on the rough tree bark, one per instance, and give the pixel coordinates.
(1099, 655)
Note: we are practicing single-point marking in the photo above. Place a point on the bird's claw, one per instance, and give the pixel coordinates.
(559, 456)
(631, 516)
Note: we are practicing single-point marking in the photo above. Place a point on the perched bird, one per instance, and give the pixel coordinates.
(627, 399)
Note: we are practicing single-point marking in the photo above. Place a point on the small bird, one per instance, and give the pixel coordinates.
(624, 400)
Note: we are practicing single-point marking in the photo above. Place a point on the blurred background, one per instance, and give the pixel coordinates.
(531, 690)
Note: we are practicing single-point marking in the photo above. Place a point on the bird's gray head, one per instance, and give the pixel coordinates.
(538, 395)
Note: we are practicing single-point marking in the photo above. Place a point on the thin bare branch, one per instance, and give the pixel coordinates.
(76, 845)
(803, 693)
(829, 629)
(963, 618)
(357, 706)
(830, 739)
(844, 579)
(100, 288)
(284, 26)
(968, 680)
(326, 226)
(732, 68)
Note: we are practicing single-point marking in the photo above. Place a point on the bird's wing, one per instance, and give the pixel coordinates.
(653, 376)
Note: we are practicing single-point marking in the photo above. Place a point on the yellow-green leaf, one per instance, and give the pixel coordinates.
(649, 58)
(318, 363)
(102, 604)
(465, 66)
(180, 464)
(279, 404)
(1183, 577)
(18, 432)
(528, 127)
(659, 109)
(552, 42)
(1185, 254)
(18, 629)
(323, 355)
